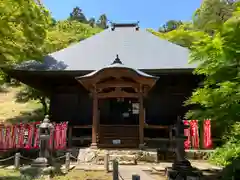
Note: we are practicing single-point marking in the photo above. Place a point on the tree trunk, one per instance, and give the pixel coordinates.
(44, 104)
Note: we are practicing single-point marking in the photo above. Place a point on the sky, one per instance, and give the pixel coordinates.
(149, 13)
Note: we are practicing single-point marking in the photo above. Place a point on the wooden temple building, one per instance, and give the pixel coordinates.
(122, 88)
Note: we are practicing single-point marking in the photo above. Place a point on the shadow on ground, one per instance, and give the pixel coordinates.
(3, 89)
(11, 178)
(207, 174)
(25, 117)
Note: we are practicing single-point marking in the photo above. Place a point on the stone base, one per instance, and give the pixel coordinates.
(93, 146)
(126, 157)
(183, 174)
(40, 162)
(36, 172)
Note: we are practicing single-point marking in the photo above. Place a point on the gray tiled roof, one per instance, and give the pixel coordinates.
(136, 49)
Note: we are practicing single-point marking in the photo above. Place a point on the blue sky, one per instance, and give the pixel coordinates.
(151, 13)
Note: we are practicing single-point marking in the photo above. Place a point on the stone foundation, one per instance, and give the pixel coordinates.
(127, 157)
(130, 156)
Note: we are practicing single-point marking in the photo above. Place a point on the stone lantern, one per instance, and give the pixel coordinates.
(40, 166)
(44, 135)
(181, 168)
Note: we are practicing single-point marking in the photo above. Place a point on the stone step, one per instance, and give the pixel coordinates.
(123, 156)
(123, 159)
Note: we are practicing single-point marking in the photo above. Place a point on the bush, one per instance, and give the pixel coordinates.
(229, 154)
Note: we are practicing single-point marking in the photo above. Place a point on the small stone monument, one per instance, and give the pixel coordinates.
(40, 166)
(181, 168)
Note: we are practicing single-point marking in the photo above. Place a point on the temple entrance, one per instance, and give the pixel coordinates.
(118, 122)
(118, 111)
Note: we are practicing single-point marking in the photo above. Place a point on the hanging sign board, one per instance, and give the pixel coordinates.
(135, 108)
(116, 141)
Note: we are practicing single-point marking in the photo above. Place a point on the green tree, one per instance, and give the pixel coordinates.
(92, 22)
(170, 25)
(78, 15)
(219, 97)
(23, 27)
(27, 93)
(182, 36)
(102, 22)
(212, 14)
(219, 62)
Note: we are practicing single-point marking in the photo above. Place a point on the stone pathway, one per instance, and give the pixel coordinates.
(142, 169)
(126, 172)
(202, 165)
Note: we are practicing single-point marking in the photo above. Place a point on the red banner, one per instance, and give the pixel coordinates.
(63, 135)
(29, 142)
(36, 136)
(27, 136)
(187, 142)
(57, 136)
(11, 141)
(20, 134)
(207, 139)
(1, 136)
(194, 133)
(8, 137)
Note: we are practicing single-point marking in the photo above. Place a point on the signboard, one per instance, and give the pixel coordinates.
(135, 108)
(116, 141)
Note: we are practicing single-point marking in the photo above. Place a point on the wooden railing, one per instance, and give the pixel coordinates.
(82, 139)
(128, 134)
(108, 133)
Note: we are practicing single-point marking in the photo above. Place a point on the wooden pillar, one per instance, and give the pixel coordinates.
(94, 121)
(70, 136)
(141, 122)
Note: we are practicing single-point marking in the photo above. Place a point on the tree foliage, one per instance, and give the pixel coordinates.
(77, 15)
(27, 31)
(219, 62)
(219, 98)
(212, 14)
(102, 21)
(170, 26)
(27, 93)
(213, 37)
(181, 36)
(23, 27)
(66, 32)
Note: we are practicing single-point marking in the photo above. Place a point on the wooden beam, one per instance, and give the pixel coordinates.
(82, 127)
(116, 84)
(155, 126)
(117, 94)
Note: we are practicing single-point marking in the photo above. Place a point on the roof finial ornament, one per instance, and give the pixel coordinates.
(117, 60)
